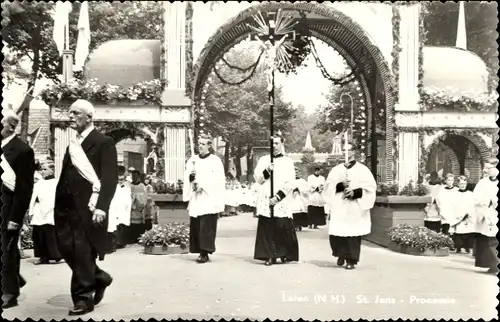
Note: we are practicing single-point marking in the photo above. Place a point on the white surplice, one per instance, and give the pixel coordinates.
(283, 176)
(315, 197)
(350, 218)
(446, 204)
(486, 201)
(432, 213)
(299, 201)
(42, 202)
(120, 207)
(464, 205)
(211, 179)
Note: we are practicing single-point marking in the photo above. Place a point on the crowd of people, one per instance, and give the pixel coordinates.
(96, 206)
(470, 217)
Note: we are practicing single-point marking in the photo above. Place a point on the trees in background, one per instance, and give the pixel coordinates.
(441, 21)
(240, 114)
(27, 29)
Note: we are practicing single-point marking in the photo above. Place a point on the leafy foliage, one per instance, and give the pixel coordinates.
(335, 117)
(150, 92)
(171, 234)
(441, 20)
(392, 189)
(304, 123)
(28, 29)
(420, 238)
(240, 114)
(308, 157)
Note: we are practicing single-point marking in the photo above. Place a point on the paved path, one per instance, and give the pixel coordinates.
(235, 286)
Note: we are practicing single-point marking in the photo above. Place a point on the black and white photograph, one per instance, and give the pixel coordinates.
(249, 160)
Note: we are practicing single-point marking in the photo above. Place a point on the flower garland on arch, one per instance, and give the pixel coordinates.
(396, 50)
(148, 92)
(449, 98)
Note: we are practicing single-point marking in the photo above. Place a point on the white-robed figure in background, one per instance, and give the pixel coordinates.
(432, 220)
(445, 201)
(463, 227)
(299, 201)
(119, 210)
(316, 208)
(486, 203)
(205, 189)
(41, 210)
(350, 192)
(276, 236)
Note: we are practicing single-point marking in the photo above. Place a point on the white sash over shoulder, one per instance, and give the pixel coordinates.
(8, 175)
(86, 170)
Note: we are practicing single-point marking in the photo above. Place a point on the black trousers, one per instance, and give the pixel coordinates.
(45, 243)
(348, 248)
(202, 234)
(80, 255)
(433, 225)
(12, 281)
(445, 228)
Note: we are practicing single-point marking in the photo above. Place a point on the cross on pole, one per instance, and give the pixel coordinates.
(272, 33)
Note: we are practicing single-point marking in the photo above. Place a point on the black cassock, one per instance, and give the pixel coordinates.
(276, 238)
(21, 158)
(80, 241)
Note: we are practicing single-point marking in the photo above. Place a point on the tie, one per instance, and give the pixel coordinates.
(79, 138)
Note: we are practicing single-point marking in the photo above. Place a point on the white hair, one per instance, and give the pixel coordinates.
(10, 116)
(84, 106)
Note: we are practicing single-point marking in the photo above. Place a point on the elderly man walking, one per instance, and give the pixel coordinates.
(84, 192)
(18, 165)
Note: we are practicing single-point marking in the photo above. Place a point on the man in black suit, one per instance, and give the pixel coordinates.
(18, 165)
(84, 192)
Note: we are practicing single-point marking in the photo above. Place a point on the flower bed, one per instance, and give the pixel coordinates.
(395, 206)
(418, 240)
(164, 237)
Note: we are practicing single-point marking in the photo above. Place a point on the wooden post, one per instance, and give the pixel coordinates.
(67, 70)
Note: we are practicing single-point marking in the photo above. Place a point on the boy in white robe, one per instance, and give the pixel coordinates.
(205, 190)
(299, 202)
(316, 208)
(350, 193)
(119, 210)
(464, 226)
(446, 203)
(432, 220)
(486, 203)
(276, 236)
(41, 210)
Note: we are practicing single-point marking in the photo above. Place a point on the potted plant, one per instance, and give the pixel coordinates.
(171, 238)
(168, 198)
(396, 205)
(415, 240)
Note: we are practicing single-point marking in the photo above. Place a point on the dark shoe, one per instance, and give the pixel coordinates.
(99, 293)
(202, 259)
(350, 266)
(58, 260)
(459, 250)
(80, 310)
(284, 260)
(270, 262)
(9, 304)
(340, 261)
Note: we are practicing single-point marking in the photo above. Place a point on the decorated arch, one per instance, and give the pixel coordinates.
(333, 28)
(432, 140)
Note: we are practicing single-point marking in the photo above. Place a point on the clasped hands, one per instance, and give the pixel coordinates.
(348, 192)
(98, 217)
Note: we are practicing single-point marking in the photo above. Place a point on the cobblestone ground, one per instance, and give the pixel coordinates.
(235, 286)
